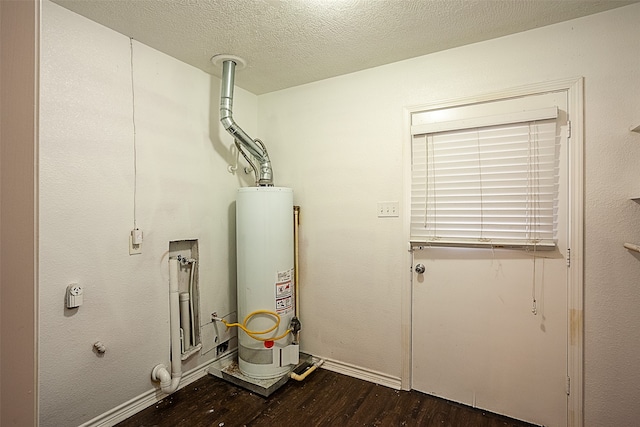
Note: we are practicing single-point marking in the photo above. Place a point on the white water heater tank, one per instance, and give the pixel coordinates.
(265, 275)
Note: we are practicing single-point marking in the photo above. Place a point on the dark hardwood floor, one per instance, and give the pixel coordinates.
(323, 399)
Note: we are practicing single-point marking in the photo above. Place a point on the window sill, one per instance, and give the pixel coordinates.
(546, 246)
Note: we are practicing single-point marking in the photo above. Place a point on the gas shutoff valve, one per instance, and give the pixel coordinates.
(74, 295)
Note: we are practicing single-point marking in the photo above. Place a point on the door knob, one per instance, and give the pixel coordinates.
(420, 268)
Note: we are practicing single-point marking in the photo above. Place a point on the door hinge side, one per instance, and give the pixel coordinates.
(568, 386)
(568, 129)
(568, 257)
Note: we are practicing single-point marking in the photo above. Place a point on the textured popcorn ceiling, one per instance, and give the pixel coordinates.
(292, 42)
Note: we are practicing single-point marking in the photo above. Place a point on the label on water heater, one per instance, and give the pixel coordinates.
(284, 305)
(284, 292)
(285, 276)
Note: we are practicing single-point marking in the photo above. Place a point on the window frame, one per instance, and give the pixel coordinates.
(477, 116)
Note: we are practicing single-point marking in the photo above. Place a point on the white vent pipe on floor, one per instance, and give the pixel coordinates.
(306, 373)
(169, 381)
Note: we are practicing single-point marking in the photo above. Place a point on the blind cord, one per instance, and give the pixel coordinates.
(534, 302)
(431, 170)
(480, 179)
(531, 208)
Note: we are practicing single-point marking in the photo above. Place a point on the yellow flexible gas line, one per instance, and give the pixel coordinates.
(253, 334)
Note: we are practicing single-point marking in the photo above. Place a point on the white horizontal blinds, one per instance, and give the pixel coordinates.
(492, 185)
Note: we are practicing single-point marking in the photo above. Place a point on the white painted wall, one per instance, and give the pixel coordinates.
(339, 143)
(86, 209)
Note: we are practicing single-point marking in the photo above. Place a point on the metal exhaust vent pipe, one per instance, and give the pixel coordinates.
(254, 147)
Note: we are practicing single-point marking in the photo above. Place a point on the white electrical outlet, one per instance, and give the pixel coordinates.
(388, 209)
(74, 295)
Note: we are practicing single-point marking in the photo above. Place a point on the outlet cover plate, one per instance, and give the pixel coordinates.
(388, 209)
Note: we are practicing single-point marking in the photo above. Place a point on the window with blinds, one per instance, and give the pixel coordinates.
(487, 182)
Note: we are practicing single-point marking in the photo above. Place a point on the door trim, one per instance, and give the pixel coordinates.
(575, 293)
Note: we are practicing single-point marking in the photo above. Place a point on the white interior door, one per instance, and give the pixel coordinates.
(477, 336)
(476, 339)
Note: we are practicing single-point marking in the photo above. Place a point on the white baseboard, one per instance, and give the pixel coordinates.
(137, 404)
(362, 373)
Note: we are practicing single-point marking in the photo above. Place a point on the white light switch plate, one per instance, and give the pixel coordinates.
(388, 209)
